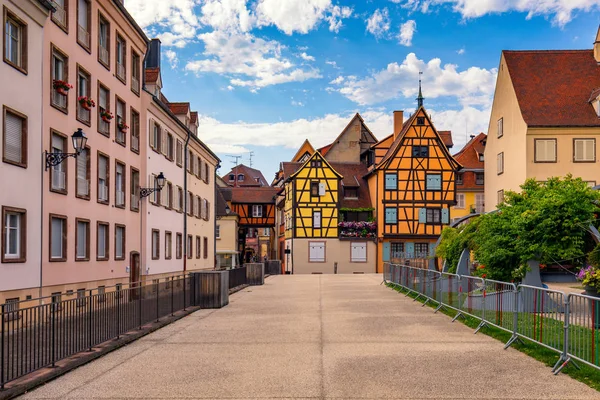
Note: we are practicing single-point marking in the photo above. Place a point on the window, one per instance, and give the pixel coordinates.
(119, 185)
(14, 138)
(119, 242)
(391, 181)
(155, 244)
(103, 178)
(218, 232)
(103, 41)
(155, 197)
(14, 243)
(481, 157)
(102, 241)
(155, 138)
(15, 41)
(391, 215)
(104, 110)
(459, 179)
(206, 173)
(205, 240)
(84, 92)
(420, 151)
(433, 215)
(121, 125)
(314, 188)
(82, 239)
(168, 245)
(170, 147)
(189, 246)
(58, 237)
(421, 250)
(179, 199)
(179, 154)
(198, 169)
(500, 199)
(178, 244)
(257, 211)
(134, 128)
(58, 173)
(60, 15)
(198, 247)
(59, 67)
(479, 203)
(358, 252)
(120, 54)
(434, 182)
(84, 23)
(584, 150)
(316, 252)
(169, 194)
(240, 178)
(351, 193)
(397, 250)
(231, 177)
(479, 178)
(190, 204)
(500, 163)
(134, 189)
(316, 219)
(501, 127)
(316, 163)
(545, 150)
(460, 200)
(135, 72)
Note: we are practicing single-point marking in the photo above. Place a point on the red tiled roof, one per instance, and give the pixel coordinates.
(289, 168)
(468, 156)
(179, 108)
(193, 117)
(353, 177)
(152, 75)
(446, 138)
(250, 175)
(325, 149)
(553, 87)
(254, 195)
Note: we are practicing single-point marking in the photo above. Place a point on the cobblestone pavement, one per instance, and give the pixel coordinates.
(315, 337)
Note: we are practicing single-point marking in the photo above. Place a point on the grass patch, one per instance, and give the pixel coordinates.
(588, 375)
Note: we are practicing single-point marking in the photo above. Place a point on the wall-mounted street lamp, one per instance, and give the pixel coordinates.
(160, 183)
(79, 142)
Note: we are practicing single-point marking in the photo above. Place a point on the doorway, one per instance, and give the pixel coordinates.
(134, 274)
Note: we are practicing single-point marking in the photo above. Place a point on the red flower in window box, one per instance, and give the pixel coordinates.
(86, 102)
(123, 126)
(61, 87)
(106, 115)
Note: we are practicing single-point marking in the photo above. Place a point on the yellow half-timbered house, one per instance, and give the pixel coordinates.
(414, 184)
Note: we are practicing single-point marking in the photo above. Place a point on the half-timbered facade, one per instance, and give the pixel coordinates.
(414, 183)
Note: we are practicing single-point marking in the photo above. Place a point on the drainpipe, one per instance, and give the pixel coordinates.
(185, 201)
(214, 215)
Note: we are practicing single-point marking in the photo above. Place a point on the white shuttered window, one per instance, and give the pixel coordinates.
(585, 150)
(83, 184)
(358, 252)
(316, 252)
(545, 150)
(14, 138)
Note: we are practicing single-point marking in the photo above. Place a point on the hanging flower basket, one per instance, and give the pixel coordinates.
(123, 127)
(106, 116)
(62, 87)
(86, 102)
(590, 279)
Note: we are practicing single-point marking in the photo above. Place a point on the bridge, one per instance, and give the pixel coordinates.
(315, 337)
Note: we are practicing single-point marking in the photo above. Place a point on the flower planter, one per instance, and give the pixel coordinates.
(124, 130)
(62, 91)
(591, 291)
(105, 119)
(85, 106)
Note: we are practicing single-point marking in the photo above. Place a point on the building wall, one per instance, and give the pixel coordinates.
(71, 274)
(347, 146)
(335, 251)
(227, 240)
(513, 142)
(24, 182)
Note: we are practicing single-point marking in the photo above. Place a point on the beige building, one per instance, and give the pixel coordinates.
(545, 119)
(226, 233)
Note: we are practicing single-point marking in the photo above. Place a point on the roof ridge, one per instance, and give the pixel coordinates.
(549, 51)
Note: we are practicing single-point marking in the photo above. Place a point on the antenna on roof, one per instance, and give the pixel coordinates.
(236, 158)
(250, 156)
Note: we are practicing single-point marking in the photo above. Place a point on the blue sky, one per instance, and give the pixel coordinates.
(266, 74)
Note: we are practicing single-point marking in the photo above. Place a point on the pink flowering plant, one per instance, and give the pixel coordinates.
(589, 277)
(361, 229)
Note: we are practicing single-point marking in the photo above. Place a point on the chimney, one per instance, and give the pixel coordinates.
(472, 137)
(153, 58)
(398, 122)
(597, 47)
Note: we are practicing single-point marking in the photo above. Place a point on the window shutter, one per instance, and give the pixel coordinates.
(422, 215)
(163, 142)
(13, 145)
(391, 181)
(409, 249)
(317, 219)
(391, 216)
(590, 150)
(57, 238)
(82, 180)
(386, 251)
(102, 100)
(321, 189)
(445, 216)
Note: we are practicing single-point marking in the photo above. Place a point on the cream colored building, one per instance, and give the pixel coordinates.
(545, 119)
(226, 233)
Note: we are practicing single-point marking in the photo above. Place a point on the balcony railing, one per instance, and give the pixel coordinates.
(83, 36)
(135, 143)
(135, 83)
(121, 71)
(103, 126)
(120, 136)
(134, 201)
(58, 179)
(102, 192)
(83, 114)
(120, 198)
(59, 100)
(103, 54)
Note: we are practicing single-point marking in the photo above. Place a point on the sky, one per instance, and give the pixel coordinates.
(264, 75)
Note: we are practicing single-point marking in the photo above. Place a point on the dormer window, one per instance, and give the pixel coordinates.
(240, 178)
(231, 177)
(351, 193)
(481, 157)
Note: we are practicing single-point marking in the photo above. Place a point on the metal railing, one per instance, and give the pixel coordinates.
(568, 325)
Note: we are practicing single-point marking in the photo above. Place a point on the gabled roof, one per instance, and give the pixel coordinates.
(468, 156)
(306, 147)
(353, 174)
(324, 150)
(553, 87)
(223, 196)
(253, 195)
(289, 168)
(193, 117)
(152, 75)
(179, 108)
(250, 175)
(447, 138)
(319, 156)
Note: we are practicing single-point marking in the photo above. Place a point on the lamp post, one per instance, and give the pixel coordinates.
(159, 183)
(79, 142)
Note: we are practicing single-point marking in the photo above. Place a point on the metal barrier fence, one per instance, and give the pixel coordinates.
(569, 325)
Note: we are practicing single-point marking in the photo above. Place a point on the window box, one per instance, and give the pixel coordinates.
(86, 102)
(106, 116)
(62, 87)
(358, 229)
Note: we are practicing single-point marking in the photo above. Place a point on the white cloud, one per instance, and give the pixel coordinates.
(337, 14)
(407, 30)
(230, 88)
(461, 51)
(171, 57)
(333, 64)
(297, 103)
(306, 57)
(292, 16)
(228, 148)
(227, 15)
(249, 61)
(378, 24)
(473, 86)
(337, 80)
(560, 10)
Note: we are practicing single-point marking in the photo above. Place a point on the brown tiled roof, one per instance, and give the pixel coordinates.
(179, 108)
(468, 156)
(325, 149)
(223, 195)
(553, 87)
(289, 168)
(353, 177)
(265, 194)
(152, 75)
(446, 138)
(250, 175)
(193, 117)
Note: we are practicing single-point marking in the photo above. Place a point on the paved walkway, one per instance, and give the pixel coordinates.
(315, 337)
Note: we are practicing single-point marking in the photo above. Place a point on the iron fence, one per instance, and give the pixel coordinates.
(569, 325)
